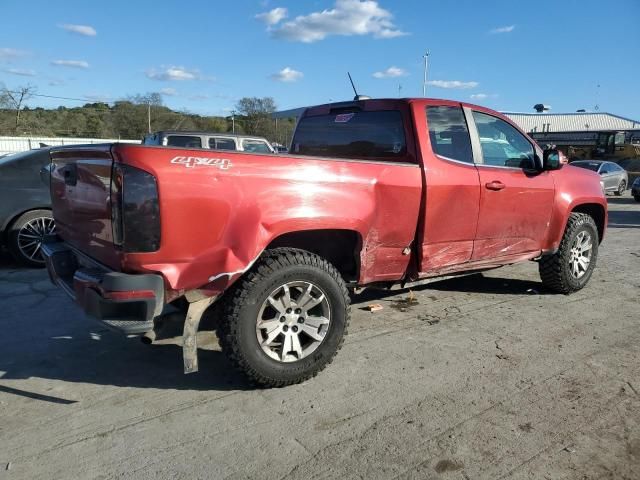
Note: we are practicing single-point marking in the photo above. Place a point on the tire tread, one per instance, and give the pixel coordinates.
(551, 267)
(270, 262)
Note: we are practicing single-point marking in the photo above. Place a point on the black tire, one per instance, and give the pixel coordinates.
(621, 188)
(636, 198)
(22, 224)
(243, 303)
(555, 270)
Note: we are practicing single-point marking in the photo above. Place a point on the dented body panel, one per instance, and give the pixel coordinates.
(216, 222)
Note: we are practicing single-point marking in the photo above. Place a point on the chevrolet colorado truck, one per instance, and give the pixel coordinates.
(373, 193)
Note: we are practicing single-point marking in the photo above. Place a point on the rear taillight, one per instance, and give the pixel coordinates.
(135, 212)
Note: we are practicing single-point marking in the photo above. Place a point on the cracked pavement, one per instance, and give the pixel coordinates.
(485, 376)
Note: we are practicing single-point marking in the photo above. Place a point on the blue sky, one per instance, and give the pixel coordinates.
(205, 55)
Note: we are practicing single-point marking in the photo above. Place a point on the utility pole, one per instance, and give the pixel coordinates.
(233, 121)
(399, 90)
(149, 116)
(426, 66)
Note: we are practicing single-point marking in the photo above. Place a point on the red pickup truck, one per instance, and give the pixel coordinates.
(373, 192)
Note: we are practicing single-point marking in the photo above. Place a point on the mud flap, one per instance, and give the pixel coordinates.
(189, 335)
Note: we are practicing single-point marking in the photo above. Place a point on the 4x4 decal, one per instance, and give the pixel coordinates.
(190, 162)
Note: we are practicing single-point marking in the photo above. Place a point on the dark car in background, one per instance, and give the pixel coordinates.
(613, 177)
(25, 205)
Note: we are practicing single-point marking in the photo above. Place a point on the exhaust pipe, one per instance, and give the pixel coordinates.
(149, 337)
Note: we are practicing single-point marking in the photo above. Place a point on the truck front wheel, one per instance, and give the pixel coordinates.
(286, 319)
(570, 268)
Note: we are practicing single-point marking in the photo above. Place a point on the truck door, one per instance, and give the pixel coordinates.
(452, 188)
(516, 197)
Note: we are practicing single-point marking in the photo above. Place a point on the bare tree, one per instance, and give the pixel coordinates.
(15, 99)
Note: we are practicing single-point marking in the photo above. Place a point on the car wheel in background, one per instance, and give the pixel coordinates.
(637, 198)
(570, 268)
(25, 236)
(286, 319)
(621, 188)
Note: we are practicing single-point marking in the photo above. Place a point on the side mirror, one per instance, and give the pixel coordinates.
(553, 159)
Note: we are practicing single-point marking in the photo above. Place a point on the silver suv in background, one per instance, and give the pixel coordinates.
(216, 141)
(613, 177)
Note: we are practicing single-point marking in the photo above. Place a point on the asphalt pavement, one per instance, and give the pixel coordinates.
(484, 376)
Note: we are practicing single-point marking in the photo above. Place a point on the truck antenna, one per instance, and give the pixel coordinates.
(357, 97)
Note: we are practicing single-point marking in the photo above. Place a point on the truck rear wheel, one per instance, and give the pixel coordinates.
(570, 268)
(286, 319)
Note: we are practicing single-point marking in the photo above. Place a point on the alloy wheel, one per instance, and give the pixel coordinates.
(293, 321)
(31, 236)
(580, 256)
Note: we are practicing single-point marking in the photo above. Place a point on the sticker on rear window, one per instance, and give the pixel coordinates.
(190, 162)
(344, 117)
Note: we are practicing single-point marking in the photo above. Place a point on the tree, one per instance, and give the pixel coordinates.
(256, 113)
(15, 99)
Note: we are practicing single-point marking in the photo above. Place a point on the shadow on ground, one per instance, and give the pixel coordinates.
(624, 219)
(622, 201)
(474, 283)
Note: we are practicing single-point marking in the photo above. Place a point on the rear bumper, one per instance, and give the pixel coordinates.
(122, 301)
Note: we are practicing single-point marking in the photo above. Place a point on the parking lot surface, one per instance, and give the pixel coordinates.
(485, 376)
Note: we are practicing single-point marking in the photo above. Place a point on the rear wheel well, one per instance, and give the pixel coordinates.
(339, 247)
(595, 211)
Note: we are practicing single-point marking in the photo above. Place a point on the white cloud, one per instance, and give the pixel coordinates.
(478, 96)
(85, 30)
(273, 16)
(170, 92)
(98, 97)
(22, 72)
(173, 73)
(391, 72)
(348, 17)
(287, 74)
(71, 63)
(11, 53)
(507, 29)
(452, 84)
(199, 97)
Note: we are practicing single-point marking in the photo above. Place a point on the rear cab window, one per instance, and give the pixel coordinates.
(352, 134)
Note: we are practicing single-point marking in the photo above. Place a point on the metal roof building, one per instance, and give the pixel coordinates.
(571, 122)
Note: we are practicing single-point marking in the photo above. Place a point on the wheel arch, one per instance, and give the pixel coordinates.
(595, 211)
(340, 247)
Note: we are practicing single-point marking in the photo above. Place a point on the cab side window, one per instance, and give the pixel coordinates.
(449, 133)
(502, 145)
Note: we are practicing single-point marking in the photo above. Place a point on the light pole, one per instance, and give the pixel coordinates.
(233, 121)
(426, 66)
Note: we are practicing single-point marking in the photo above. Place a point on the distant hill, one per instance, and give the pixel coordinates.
(129, 119)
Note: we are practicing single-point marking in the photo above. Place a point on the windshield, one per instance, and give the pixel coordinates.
(376, 135)
(588, 165)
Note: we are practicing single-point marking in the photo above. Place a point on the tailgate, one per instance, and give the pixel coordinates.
(81, 200)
